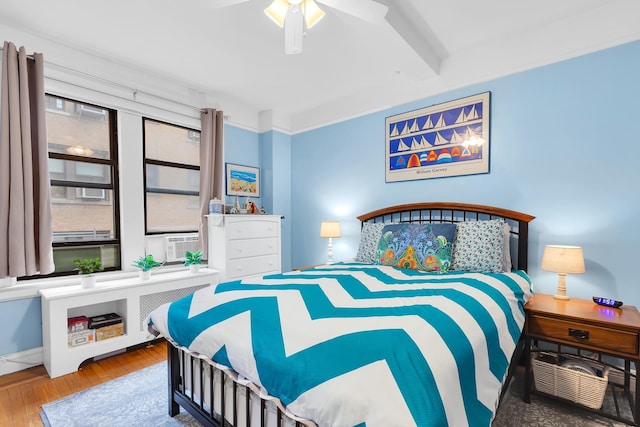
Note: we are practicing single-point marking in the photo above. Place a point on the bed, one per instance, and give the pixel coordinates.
(409, 340)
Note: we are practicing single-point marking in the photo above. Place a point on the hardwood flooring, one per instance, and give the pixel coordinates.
(22, 393)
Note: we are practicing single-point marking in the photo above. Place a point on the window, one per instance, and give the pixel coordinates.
(84, 183)
(171, 177)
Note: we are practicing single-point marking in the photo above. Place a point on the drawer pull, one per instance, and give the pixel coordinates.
(579, 334)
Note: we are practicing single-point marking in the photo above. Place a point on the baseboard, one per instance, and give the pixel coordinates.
(15, 362)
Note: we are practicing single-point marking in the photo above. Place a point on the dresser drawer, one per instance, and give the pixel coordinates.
(253, 266)
(252, 247)
(614, 341)
(253, 229)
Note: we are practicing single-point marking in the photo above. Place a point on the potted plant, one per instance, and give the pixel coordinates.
(86, 267)
(145, 264)
(193, 260)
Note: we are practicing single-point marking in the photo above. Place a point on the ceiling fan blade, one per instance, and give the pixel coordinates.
(217, 4)
(367, 10)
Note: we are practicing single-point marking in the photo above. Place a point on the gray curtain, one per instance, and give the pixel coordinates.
(211, 172)
(25, 202)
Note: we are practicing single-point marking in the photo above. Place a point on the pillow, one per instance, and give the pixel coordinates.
(369, 238)
(506, 248)
(478, 246)
(424, 247)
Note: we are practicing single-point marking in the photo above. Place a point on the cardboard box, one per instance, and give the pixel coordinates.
(110, 331)
(75, 339)
(77, 324)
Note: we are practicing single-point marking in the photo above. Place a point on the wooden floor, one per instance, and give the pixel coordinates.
(22, 393)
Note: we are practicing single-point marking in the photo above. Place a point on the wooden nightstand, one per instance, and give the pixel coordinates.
(584, 325)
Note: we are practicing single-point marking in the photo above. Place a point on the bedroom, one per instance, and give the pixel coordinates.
(552, 129)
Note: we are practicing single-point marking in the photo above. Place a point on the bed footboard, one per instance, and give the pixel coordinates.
(215, 397)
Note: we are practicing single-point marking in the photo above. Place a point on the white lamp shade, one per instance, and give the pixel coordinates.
(563, 259)
(330, 229)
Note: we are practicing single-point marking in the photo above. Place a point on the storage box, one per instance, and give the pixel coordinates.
(104, 320)
(576, 386)
(77, 324)
(110, 331)
(75, 339)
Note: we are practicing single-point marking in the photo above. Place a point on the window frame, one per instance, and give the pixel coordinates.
(114, 186)
(158, 189)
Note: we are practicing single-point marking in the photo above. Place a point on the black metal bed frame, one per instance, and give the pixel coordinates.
(187, 372)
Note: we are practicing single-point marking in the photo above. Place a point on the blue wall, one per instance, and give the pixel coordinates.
(21, 328)
(242, 147)
(564, 147)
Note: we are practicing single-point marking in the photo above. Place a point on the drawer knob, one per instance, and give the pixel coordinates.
(579, 334)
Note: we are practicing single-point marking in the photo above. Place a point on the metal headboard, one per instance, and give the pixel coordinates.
(452, 212)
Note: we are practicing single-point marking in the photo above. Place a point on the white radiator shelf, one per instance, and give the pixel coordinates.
(131, 298)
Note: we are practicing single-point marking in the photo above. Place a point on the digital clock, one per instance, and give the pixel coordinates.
(608, 302)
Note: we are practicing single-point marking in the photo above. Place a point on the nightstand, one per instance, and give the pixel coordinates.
(584, 325)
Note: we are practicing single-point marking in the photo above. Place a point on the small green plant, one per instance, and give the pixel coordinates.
(88, 265)
(193, 258)
(146, 263)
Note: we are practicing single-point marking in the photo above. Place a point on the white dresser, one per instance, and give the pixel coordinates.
(244, 245)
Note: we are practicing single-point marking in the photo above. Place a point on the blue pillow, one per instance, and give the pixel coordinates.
(425, 247)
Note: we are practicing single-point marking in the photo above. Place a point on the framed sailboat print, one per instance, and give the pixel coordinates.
(448, 139)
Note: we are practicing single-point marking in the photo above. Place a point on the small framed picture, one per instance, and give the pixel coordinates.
(242, 180)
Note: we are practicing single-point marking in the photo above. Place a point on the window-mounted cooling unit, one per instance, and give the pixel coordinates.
(176, 246)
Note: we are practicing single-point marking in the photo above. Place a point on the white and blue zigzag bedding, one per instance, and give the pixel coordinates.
(357, 344)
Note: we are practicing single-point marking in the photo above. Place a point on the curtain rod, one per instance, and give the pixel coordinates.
(116, 85)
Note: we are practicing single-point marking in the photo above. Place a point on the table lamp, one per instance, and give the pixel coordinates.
(562, 260)
(330, 229)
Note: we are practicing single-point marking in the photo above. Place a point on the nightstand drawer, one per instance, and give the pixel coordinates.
(614, 341)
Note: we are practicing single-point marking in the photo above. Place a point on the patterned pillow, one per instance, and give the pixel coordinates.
(369, 238)
(506, 248)
(478, 246)
(424, 247)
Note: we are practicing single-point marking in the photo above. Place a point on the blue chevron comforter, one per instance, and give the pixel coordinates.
(357, 344)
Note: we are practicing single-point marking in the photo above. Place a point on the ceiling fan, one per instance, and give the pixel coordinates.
(294, 15)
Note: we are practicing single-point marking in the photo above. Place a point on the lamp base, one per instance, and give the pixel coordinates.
(561, 293)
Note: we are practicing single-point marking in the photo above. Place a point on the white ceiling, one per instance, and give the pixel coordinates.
(348, 66)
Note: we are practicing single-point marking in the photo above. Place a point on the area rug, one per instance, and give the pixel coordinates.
(136, 399)
(140, 399)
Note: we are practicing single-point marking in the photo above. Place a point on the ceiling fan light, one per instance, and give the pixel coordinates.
(277, 11)
(312, 13)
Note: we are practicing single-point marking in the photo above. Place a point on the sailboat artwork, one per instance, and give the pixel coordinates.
(448, 139)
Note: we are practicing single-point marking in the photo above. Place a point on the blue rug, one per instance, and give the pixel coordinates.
(140, 400)
(137, 399)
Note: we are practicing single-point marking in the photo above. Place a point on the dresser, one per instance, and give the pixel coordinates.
(244, 245)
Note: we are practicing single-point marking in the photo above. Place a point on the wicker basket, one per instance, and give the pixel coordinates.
(583, 388)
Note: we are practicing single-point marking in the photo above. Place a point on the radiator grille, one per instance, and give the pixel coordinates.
(150, 302)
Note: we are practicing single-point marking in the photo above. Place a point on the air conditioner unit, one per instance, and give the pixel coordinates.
(93, 193)
(176, 246)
